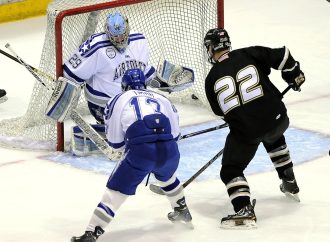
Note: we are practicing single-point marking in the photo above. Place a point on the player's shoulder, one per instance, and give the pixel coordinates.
(94, 43)
(241, 51)
(134, 37)
(145, 93)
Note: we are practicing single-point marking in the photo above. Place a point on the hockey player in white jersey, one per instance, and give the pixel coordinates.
(101, 61)
(146, 126)
(99, 64)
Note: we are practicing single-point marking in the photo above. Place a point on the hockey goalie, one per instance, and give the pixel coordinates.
(169, 78)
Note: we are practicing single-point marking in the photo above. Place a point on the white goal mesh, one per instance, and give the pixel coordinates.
(174, 29)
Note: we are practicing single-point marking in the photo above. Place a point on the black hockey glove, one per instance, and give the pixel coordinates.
(295, 77)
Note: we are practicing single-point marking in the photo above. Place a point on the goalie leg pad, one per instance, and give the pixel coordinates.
(64, 98)
(81, 145)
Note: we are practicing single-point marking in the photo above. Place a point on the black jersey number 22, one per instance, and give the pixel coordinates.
(249, 89)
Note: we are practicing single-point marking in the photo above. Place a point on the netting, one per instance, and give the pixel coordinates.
(174, 29)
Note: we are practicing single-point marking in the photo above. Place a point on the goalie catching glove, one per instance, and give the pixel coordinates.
(64, 98)
(294, 77)
(172, 78)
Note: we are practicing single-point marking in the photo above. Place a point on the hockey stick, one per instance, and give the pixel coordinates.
(185, 136)
(76, 117)
(36, 70)
(286, 90)
(93, 135)
(157, 189)
(31, 69)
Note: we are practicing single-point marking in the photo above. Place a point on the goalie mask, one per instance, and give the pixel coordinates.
(117, 30)
(216, 40)
(133, 79)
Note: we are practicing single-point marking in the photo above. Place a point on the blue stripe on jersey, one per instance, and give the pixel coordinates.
(109, 106)
(116, 145)
(136, 38)
(96, 93)
(150, 72)
(133, 37)
(70, 74)
(136, 34)
(105, 43)
(106, 209)
(91, 38)
(98, 46)
(171, 186)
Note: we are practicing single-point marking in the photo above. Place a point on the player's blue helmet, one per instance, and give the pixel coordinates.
(117, 30)
(133, 79)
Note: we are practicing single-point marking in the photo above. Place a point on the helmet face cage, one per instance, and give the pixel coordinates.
(133, 79)
(216, 40)
(117, 30)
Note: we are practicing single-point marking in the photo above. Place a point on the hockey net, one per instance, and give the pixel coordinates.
(174, 30)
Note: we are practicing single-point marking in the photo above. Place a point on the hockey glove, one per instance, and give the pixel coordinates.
(294, 77)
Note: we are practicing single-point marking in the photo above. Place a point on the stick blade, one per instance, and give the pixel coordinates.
(156, 189)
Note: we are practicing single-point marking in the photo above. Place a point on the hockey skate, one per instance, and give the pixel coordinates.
(89, 236)
(3, 97)
(243, 219)
(181, 215)
(289, 185)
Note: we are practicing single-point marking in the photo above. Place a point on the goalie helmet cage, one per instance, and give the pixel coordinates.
(174, 29)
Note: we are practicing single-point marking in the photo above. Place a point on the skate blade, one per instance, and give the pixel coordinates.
(239, 224)
(294, 197)
(180, 223)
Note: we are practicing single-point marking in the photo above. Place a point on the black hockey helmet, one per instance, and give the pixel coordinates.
(216, 40)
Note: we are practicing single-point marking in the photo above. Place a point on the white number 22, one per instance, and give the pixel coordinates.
(249, 89)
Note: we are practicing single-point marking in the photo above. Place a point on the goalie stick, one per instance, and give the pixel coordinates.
(28, 67)
(37, 71)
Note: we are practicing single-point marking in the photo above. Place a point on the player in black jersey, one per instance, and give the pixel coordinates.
(239, 90)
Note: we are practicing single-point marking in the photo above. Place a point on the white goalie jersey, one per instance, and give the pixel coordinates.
(101, 66)
(126, 108)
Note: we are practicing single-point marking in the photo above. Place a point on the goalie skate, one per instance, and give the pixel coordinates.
(243, 219)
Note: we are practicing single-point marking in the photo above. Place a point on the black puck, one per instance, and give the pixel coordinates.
(193, 96)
